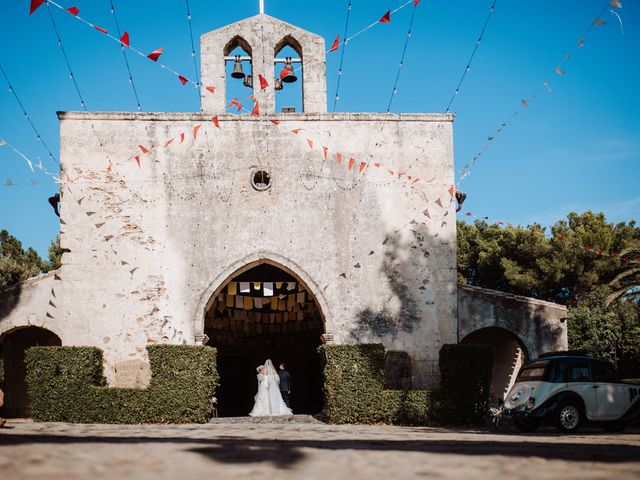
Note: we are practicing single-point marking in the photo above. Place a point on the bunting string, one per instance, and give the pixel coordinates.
(473, 54)
(545, 86)
(386, 18)
(344, 47)
(27, 117)
(193, 47)
(124, 55)
(394, 91)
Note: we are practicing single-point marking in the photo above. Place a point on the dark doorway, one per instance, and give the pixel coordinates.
(265, 313)
(12, 347)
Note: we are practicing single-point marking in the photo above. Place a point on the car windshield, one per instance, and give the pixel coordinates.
(532, 372)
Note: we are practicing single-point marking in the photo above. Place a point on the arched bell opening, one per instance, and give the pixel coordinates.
(265, 312)
(13, 345)
(509, 354)
(239, 79)
(288, 67)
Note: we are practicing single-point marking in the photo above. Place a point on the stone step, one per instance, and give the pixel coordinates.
(268, 420)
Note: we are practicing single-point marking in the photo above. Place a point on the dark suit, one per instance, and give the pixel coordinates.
(285, 384)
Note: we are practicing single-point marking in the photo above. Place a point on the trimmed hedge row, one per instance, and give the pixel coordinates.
(465, 372)
(66, 384)
(354, 389)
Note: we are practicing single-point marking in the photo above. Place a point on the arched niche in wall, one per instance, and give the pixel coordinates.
(291, 94)
(234, 87)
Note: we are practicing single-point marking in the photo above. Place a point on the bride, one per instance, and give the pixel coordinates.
(268, 400)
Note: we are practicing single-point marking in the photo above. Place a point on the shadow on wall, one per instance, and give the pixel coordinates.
(9, 298)
(399, 273)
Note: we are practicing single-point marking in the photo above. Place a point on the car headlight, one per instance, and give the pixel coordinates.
(530, 403)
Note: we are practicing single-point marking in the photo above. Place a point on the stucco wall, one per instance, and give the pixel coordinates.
(540, 326)
(148, 244)
(35, 302)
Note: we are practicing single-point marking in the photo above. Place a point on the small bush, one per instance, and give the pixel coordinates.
(66, 384)
(354, 389)
(465, 372)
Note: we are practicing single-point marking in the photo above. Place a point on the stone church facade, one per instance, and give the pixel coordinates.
(346, 219)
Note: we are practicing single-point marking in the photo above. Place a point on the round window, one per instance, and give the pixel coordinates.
(260, 180)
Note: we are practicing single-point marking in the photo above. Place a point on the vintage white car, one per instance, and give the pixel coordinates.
(569, 391)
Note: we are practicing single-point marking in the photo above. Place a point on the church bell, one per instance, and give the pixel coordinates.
(237, 68)
(289, 76)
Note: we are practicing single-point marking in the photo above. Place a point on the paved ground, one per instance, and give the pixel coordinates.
(300, 449)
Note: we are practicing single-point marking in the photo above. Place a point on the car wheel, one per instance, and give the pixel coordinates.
(525, 424)
(568, 416)
(614, 426)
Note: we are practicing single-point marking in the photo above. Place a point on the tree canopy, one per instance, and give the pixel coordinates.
(17, 264)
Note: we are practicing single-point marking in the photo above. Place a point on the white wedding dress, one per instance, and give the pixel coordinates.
(268, 400)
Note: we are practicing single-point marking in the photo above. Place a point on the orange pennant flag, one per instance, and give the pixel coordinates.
(235, 103)
(109, 167)
(155, 55)
(195, 131)
(169, 142)
(324, 152)
(296, 131)
(391, 172)
(211, 89)
(363, 165)
(125, 39)
(275, 122)
(386, 18)
(351, 162)
(377, 165)
(144, 149)
(216, 121)
(256, 109)
(597, 21)
(310, 143)
(138, 161)
(336, 44)
(263, 82)
(339, 157)
(100, 29)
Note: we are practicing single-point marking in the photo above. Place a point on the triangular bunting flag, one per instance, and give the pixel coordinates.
(73, 11)
(275, 122)
(324, 152)
(125, 39)
(386, 18)
(144, 149)
(98, 225)
(351, 162)
(100, 29)
(155, 55)
(216, 121)
(211, 89)
(35, 4)
(195, 131)
(339, 157)
(336, 44)
(169, 142)
(363, 165)
(138, 161)
(263, 82)
(310, 143)
(439, 203)
(426, 213)
(296, 131)
(182, 79)
(181, 137)
(256, 109)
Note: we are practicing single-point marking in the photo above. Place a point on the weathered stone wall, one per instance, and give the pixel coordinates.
(540, 326)
(36, 302)
(149, 244)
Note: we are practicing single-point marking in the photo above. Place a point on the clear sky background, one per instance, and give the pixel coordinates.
(577, 148)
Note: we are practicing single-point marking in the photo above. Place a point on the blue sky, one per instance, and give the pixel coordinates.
(577, 148)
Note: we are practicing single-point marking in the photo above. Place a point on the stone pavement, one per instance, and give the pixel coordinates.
(301, 448)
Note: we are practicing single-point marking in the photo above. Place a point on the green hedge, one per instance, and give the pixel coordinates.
(354, 389)
(465, 371)
(66, 384)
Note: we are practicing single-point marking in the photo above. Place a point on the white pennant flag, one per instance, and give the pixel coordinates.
(2, 142)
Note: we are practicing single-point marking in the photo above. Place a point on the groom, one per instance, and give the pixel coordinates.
(285, 383)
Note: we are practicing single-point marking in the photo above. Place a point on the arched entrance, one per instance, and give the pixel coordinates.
(509, 355)
(260, 312)
(13, 345)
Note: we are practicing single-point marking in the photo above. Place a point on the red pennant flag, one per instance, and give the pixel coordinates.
(598, 21)
(377, 165)
(468, 214)
(363, 165)
(125, 39)
(109, 167)
(296, 131)
(195, 131)
(339, 157)
(400, 174)
(211, 89)
(285, 71)
(324, 152)
(73, 11)
(275, 122)
(155, 55)
(100, 29)
(409, 177)
(181, 137)
(182, 79)
(310, 143)
(391, 172)
(144, 149)
(351, 162)
(35, 4)
(235, 102)
(216, 121)
(169, 142)
(336, 44)
(386, 18)
(256, 109)
(138, 161)
(452, 190)
(263, 82)
(416, 2)
(500, 223)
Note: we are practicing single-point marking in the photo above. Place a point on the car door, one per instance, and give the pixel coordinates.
(612, 397)
(579, 381)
